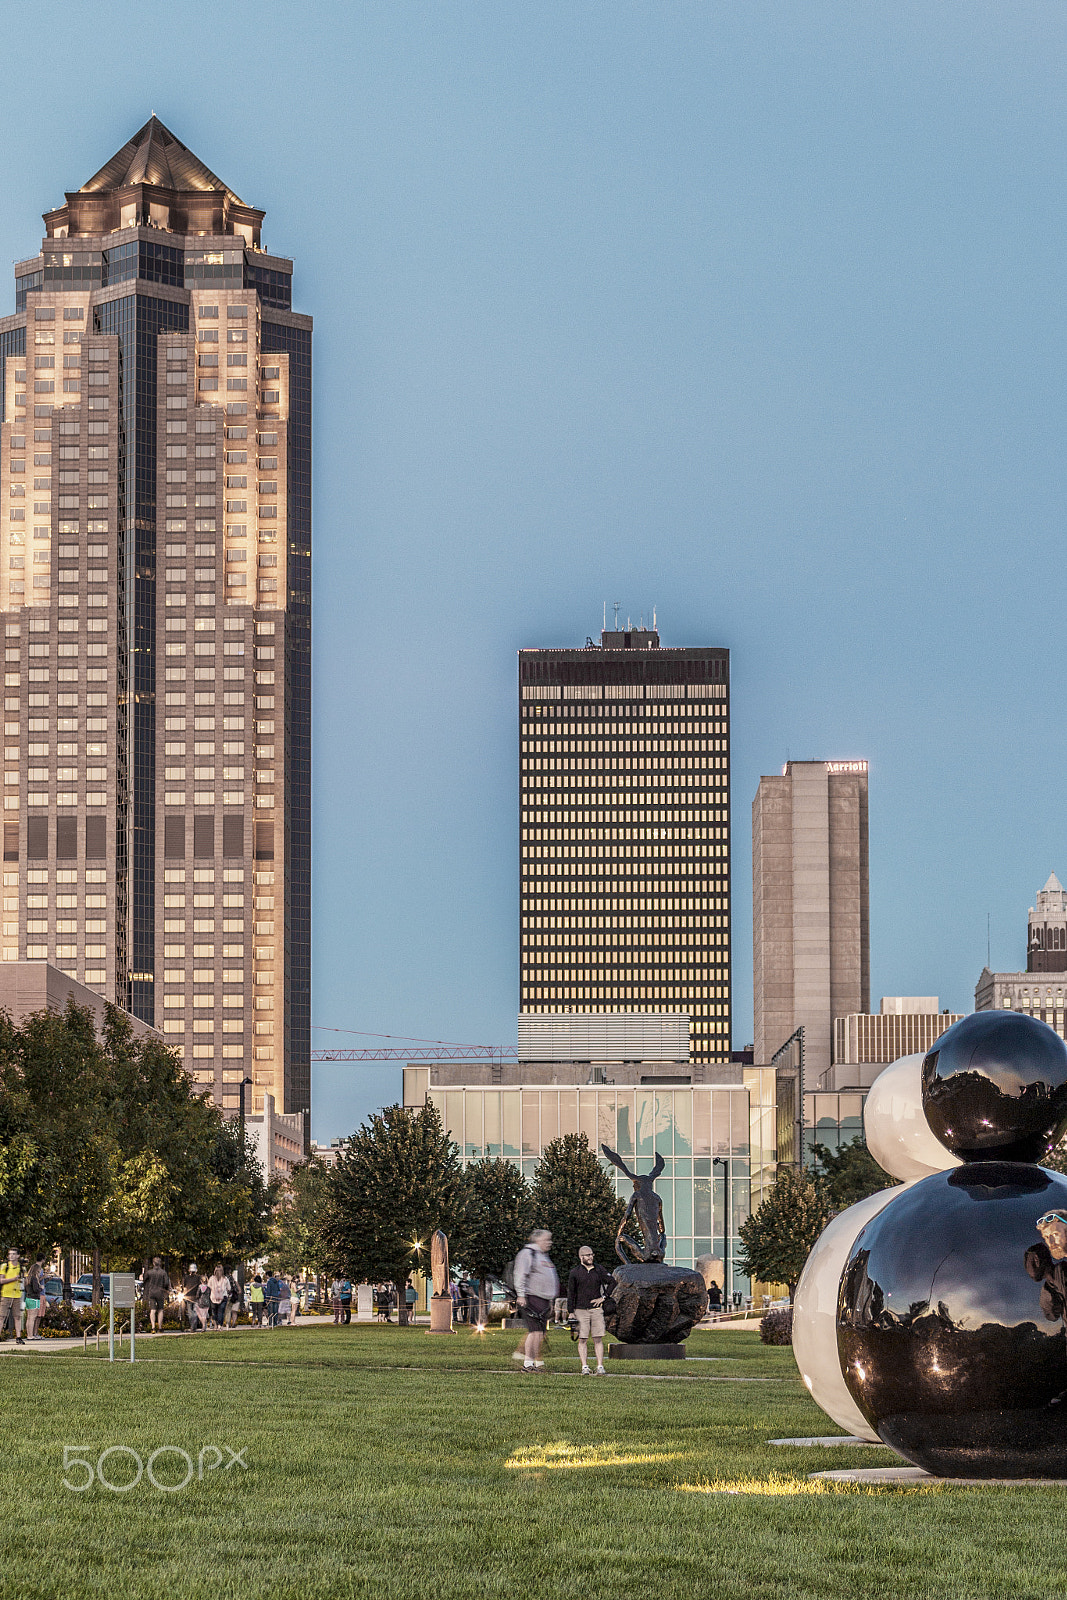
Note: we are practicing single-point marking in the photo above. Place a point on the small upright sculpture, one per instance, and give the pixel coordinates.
(441, 1299)
(649, 1209)
(656, 1305)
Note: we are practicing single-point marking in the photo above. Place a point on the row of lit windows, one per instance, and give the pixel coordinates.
(532, 749)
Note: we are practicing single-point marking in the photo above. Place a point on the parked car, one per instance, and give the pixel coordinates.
(53, 1290)
(81, 1293)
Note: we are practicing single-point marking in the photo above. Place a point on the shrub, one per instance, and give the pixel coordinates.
(61, 1320)
(776, 1327)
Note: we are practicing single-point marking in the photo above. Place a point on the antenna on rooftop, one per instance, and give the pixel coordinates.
(605, 616)
(616, 616)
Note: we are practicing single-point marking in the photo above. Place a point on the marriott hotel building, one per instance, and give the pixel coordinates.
(155, 585)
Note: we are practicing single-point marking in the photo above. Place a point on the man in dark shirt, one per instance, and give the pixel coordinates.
(586, 1288)
(157, 1293)
(272, 1294)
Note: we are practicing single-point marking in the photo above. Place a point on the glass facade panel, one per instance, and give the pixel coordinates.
(472, 1127)
(549, 1116)
(624, 1125)
(454, 1099)
(683, 1124)
(683, 1212)
(587, 1119)
(702, 1122)
(702, 1206)
(531, 1124)
(645, 1123)
(607, 1121)
(511, 1101)
(568, 1111)
(492, 1123)
(720, 1123)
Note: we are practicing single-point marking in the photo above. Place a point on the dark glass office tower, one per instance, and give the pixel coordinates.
(155, 580)
(625, 833)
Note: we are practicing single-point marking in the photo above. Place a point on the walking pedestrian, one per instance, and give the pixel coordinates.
(536, 1286)
(11, 1296)
(255, 1299)
(294, 1304)
(586, 1288)
(346, 1301)
(157, 1293)
(335, 1300)
(34, 1297)
(189, 1288)
(202, 1301)
(219, 1285)
(272, 1290)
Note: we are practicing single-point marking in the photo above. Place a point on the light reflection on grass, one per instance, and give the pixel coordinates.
(562, 1454)
(778, 1486)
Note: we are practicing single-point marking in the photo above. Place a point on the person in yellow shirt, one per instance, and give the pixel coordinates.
(11, 1296)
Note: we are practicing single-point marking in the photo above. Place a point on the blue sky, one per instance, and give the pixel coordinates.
(754, 314)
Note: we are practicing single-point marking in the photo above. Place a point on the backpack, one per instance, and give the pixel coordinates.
(507, 1277)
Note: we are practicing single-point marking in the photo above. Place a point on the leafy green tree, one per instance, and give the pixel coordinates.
(400, 1177)
(108, 1148)
(294, 1243)
(779, 1235)
(849, 1175)
(60, 1148)
(498, 1221)
(573, 1196)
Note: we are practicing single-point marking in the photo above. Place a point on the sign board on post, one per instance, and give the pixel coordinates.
(123, 1297)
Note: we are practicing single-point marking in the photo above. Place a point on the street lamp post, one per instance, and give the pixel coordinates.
(728, 1264)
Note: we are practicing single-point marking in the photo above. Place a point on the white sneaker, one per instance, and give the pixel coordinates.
(600, 1372)
(586, 1372)
(528, 1365)
(539, 1366)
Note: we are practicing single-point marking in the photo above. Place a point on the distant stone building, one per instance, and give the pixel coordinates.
(810, 908)
(865, 1042)
(1040, 990)
(29, 986)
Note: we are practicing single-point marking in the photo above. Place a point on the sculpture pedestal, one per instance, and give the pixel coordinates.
(364, 1302)
(440, 1313)
(646, 1352)
(656, 1304)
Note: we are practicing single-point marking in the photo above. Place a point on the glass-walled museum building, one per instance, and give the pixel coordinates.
(717, 1138)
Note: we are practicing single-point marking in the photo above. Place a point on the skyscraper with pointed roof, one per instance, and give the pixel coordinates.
(155, 581)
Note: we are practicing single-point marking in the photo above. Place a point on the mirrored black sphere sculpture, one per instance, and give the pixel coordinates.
(995, 1087)
(951, 1322)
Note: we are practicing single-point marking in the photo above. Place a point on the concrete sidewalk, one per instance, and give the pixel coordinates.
(73, 1341)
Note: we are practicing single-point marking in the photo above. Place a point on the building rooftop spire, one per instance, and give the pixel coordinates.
(154, 155)
(1054, 885)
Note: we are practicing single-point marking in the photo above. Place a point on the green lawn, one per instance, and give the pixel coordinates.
(390, 1462)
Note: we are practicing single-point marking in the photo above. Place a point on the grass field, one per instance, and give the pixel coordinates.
(390, 1462)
